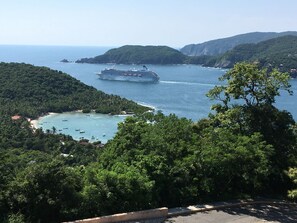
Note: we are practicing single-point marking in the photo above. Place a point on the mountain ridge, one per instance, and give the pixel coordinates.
(279, 52)
(222, 45)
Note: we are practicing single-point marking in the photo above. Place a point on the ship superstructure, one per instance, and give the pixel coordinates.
(143, 75)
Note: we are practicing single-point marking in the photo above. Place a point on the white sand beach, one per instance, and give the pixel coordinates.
(34, 122)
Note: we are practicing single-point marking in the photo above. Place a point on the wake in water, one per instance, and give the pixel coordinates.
(187, 83)
(147, 105)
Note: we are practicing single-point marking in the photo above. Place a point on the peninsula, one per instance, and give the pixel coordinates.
(31, 91)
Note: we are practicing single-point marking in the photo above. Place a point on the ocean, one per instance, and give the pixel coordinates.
(181, 90)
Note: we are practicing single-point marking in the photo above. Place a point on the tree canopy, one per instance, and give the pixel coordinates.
(31, 91)
(292, 173)
(130, 54)
(254, 86)
(247, 106)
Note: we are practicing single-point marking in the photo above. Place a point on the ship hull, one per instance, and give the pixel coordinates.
(130, 76)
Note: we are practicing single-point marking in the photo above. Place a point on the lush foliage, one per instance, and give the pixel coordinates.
(220, 46)
(255, 90)
(254, 86)
(30, 91)
(278, 52)
(186, 164)
(36, 181)
(293, 175)
(242, 150)
(139, 55)
(46, 191)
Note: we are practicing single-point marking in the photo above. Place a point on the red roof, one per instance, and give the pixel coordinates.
(15, 117)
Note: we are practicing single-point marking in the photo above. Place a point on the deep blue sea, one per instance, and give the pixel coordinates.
(181, 89)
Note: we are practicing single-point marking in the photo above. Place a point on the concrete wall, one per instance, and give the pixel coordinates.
(144, 216)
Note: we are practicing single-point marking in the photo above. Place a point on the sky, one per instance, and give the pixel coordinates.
(173, 23)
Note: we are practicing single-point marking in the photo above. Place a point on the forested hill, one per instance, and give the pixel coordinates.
(219, 46)
(31, 91)
(280, 52)
(131, 54)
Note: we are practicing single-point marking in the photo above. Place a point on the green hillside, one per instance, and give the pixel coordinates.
(279, 52)
(31, 91)
(138, 55)
(220, 46)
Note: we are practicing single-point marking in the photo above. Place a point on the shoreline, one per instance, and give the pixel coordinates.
(34, 122)
(153, 108)
(91, 126)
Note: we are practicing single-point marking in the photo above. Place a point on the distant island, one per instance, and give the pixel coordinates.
(31, 91)
(65, 61)
(131, 54)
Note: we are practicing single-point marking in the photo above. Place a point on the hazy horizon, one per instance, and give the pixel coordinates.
(115, 23)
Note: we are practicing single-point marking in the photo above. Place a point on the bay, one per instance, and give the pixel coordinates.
(92, 126)
(181, 89)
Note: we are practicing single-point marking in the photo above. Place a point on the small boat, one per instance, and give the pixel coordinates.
(81, 131)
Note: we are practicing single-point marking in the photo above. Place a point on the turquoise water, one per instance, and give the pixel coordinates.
(181, 89)
(95, 127)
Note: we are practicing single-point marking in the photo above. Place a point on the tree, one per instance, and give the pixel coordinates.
(160, 146)
(54, 130)
(292, 173)
(232, 165)
(105, 189)
(247, 103)
(253, 86)
(247, 107)
(46, 192)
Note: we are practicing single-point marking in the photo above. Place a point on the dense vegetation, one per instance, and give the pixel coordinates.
(220, 46)
(279, 52)
(38, 184)
(31, 91)
(292, 173)
(243, 150)
(138, 55)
